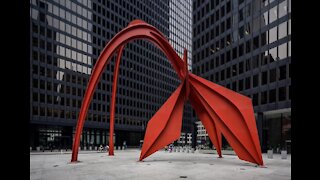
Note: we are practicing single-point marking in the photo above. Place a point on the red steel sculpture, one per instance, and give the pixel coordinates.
(221, 111)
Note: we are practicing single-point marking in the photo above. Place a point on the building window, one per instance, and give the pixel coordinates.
(283, 9)
(241, 67)
(228, 72)
(248, 65)
(282, 51)
(35, 110)
(35, 97)
(283, 72)
(42, 98)
(248, 83)
(256, 42)
(42, 84)
(255, 61)
(35, 42)
(234, 86)
(248, 47)
(222, 75)
(272, 96)
(49, 112)
(256, 80)
(282, 93)
(42, 111)
(264, 77)
(35, 83)
(283, 30)
(255, 100)
(273, 14)
(272, 35)
(272, 75)
(241, 85)
(234, 70)
(264, 97)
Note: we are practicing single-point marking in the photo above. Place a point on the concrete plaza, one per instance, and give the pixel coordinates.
(161, 165)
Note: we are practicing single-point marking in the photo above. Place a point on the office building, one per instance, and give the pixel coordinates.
(245, 45)
(66, 38)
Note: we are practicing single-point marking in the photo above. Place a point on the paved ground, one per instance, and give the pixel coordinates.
(161, 165)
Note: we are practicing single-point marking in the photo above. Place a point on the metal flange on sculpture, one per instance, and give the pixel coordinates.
(221, 111)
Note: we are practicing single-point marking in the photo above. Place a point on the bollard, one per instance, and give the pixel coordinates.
(30, 148)
(90, 148)
(96, 148)
(283, 154)
(192, 150)
(122, 147)
(38, 148)
(270, 154)
(85, 148)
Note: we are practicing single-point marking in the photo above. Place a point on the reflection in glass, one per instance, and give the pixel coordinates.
(282, 51)
(272, 35)
(283, 30)
(273, 14)
(283, 9)
(273, 54)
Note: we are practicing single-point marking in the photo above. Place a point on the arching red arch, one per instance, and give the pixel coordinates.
(221, 110)
(137, 29)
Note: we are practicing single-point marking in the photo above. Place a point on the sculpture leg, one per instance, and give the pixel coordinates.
(113, 100)
(212, 130)
(233, 115)
(165, 125)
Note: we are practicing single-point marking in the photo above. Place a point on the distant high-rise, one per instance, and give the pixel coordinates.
(66, 38)
(245, 45)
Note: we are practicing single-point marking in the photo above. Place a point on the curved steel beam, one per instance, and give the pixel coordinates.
(136, 30)
(113, 100)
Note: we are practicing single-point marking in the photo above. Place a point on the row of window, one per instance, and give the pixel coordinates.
(270, 36)
(129, 12)
(277, 53)
(125, 105)
(142, 93)
(272, 96)
(57, 113)
(124, 79)
(264, 77)
(208, 7)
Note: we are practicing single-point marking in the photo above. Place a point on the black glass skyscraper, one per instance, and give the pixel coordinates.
(245, 45)
(66, 38)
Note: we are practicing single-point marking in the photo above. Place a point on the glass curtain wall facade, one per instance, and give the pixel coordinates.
(66, 38)
(245, 45)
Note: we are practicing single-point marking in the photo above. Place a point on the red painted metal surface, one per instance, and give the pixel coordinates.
(113, 100)
(222, 111)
